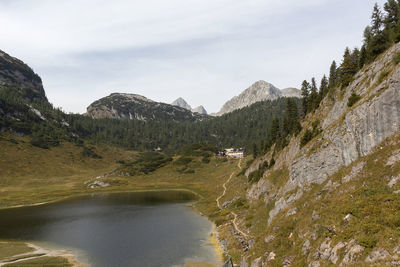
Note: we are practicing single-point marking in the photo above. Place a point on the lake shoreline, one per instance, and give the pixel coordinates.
(212, 236)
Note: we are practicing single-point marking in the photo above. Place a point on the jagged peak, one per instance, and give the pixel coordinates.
(180, 102)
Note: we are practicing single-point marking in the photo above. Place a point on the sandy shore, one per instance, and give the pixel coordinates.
(40, 252)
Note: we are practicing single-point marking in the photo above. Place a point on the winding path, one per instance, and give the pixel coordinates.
(235, 216)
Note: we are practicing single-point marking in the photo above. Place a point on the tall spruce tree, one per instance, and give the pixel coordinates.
(314, 97)
(348, 67)
(377, 20)
(391, 17)
(363, 57)
(323, 88)
(333, 75)
(305, 93)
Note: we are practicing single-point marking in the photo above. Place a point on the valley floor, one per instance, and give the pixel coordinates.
(34, 176)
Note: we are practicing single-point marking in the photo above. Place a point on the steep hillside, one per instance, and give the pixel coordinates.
(131, 106)
(259, 91)
(331, 196)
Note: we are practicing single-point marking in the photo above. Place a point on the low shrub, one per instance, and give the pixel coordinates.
(353, 99)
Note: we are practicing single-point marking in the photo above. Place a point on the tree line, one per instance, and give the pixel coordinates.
(382, 33)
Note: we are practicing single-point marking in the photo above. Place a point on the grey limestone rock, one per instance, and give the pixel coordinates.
(394, 158)
(377, 255)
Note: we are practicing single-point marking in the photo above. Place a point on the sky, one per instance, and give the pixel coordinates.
(205, 51)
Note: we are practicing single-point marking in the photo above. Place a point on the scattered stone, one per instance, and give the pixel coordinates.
(396, 192)
(256, 263)
(315, 264)
(228, 203)
(348, 217)
(394, 181)
(334, 253)
(353, 250)
(377, 255)
(394, 158)
(315, 215)
(228, 263)
(291, 212)
(330, 186)
(243, 263)
(325, 249)
(269, 238)
(97, 184)
(271, 256)
(287, 261)
(354, 171)
(306, 247)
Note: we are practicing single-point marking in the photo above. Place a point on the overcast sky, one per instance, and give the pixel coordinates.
(205, 51)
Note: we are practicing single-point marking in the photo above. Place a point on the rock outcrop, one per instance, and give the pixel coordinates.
(16, 75)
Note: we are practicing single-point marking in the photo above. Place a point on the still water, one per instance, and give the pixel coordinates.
(129, 229)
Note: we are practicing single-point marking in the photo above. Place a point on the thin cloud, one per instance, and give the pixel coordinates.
(85, 50)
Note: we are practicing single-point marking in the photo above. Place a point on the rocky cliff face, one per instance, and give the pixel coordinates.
(17, 76)
(259, 91)
(132, 106)
(340, 162)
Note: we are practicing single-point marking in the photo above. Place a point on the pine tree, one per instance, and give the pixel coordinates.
(391, 18)
(323, 88)
(380, 39)
(274, 133)
(377, 20)
(255, 150)
(305, 93)
(314, 97)
(363, 57)
(333, 75)
(348, 67)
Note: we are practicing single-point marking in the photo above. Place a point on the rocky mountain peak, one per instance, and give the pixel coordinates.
(180, 102)
(259, 91)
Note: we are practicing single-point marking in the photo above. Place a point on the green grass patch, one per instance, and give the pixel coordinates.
(354, 98)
